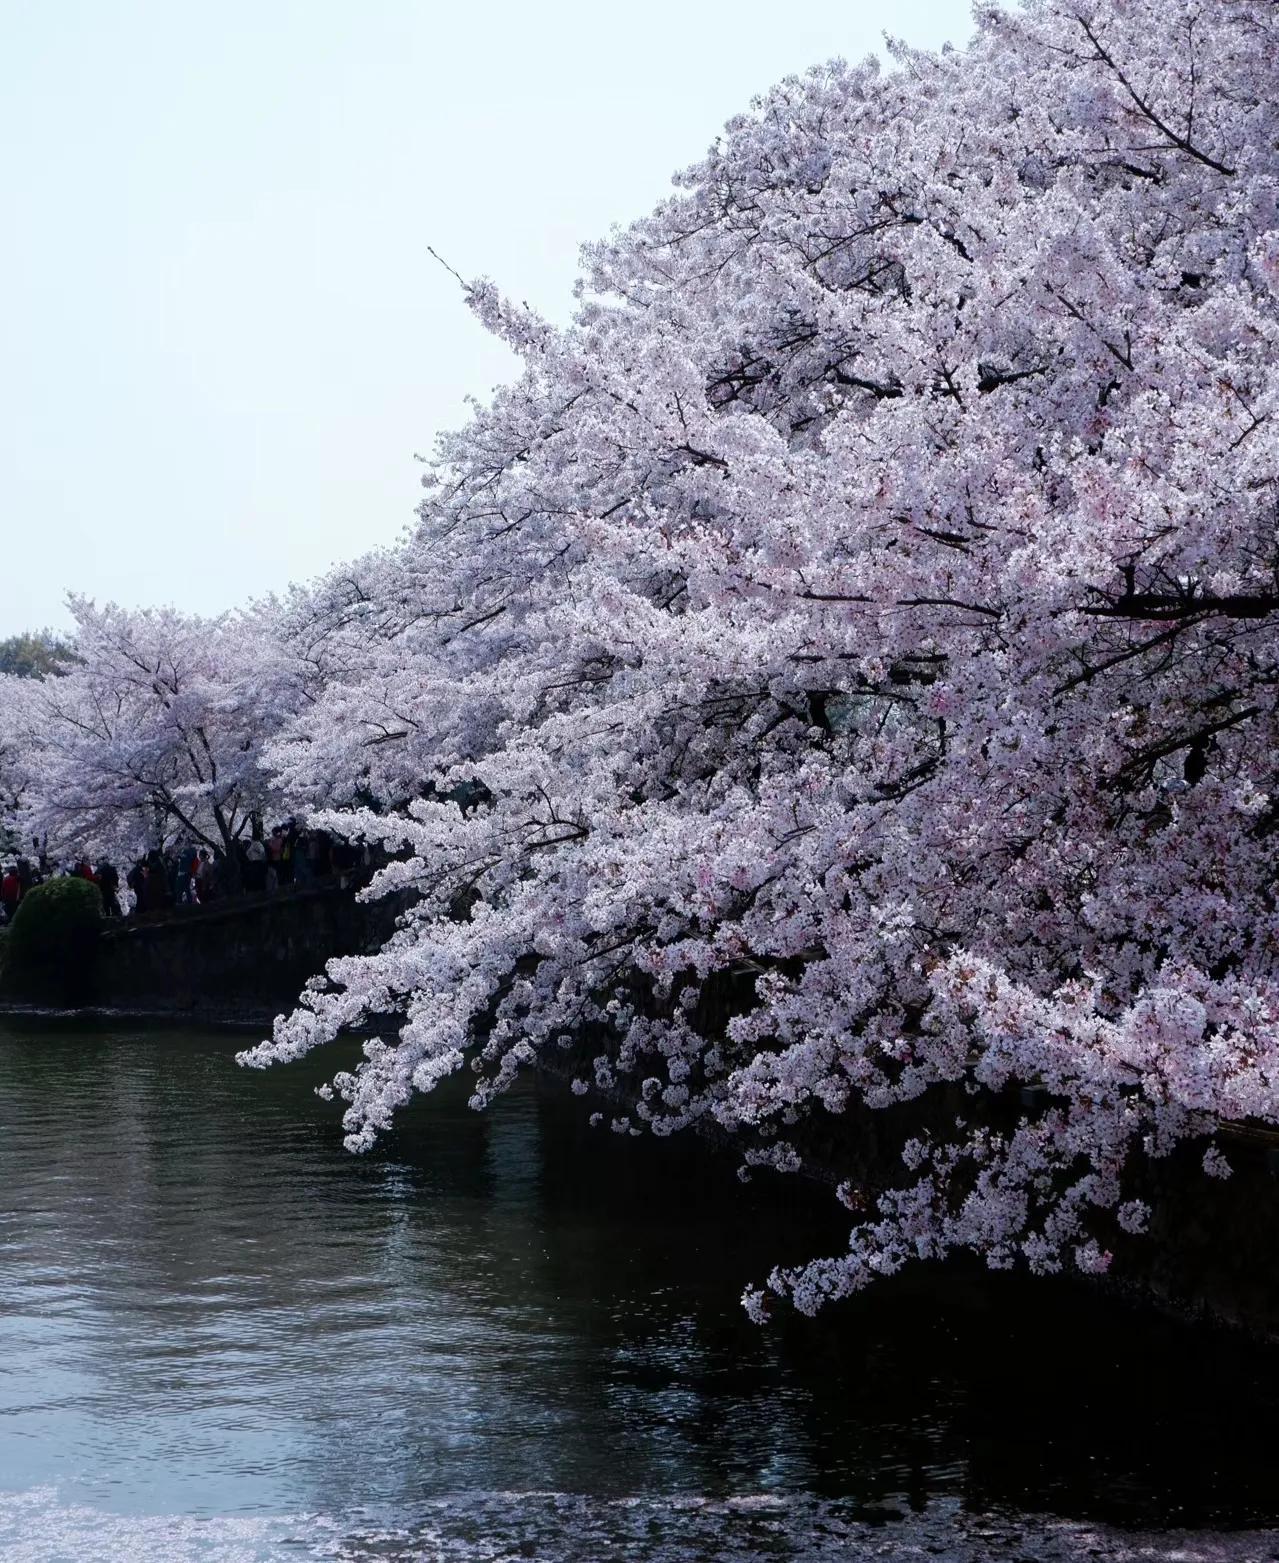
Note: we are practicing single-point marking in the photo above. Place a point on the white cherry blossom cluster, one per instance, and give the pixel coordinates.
(858, 629)
(155, 731)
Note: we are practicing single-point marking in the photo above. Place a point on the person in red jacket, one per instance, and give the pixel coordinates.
(10, 891)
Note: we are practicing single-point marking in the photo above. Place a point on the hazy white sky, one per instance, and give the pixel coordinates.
(222, 338)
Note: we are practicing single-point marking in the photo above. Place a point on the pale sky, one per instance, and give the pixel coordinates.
(222, 339)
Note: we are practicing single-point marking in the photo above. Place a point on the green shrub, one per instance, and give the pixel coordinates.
(52, 941)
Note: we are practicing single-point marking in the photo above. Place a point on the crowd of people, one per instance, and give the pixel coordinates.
(16, 878)
(190, 875)
(21, 874)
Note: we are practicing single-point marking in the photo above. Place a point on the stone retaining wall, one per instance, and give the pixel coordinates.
(250, 955)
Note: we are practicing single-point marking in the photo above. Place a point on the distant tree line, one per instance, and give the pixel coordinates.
(35, 654)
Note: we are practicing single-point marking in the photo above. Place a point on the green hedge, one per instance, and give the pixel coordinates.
(52, 941)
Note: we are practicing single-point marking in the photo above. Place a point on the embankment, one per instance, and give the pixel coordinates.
(245, 959)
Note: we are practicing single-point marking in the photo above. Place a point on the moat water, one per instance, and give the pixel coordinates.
(505, 1335)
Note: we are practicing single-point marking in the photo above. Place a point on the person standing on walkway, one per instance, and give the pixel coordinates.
(109, 884)
(10, 891)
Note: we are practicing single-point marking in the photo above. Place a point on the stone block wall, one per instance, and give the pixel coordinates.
(249, 956)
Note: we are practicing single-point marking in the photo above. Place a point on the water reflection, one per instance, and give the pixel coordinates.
(207, 1306)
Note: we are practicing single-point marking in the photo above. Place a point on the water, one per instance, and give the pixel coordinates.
(505, 1335)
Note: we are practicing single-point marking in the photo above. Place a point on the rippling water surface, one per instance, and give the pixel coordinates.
(222, 1336)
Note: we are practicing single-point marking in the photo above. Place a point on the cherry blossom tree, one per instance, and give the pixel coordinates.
(16, 698)
(156, 731)
(862, 623)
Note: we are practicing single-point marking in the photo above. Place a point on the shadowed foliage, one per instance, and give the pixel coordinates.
(51, 945)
